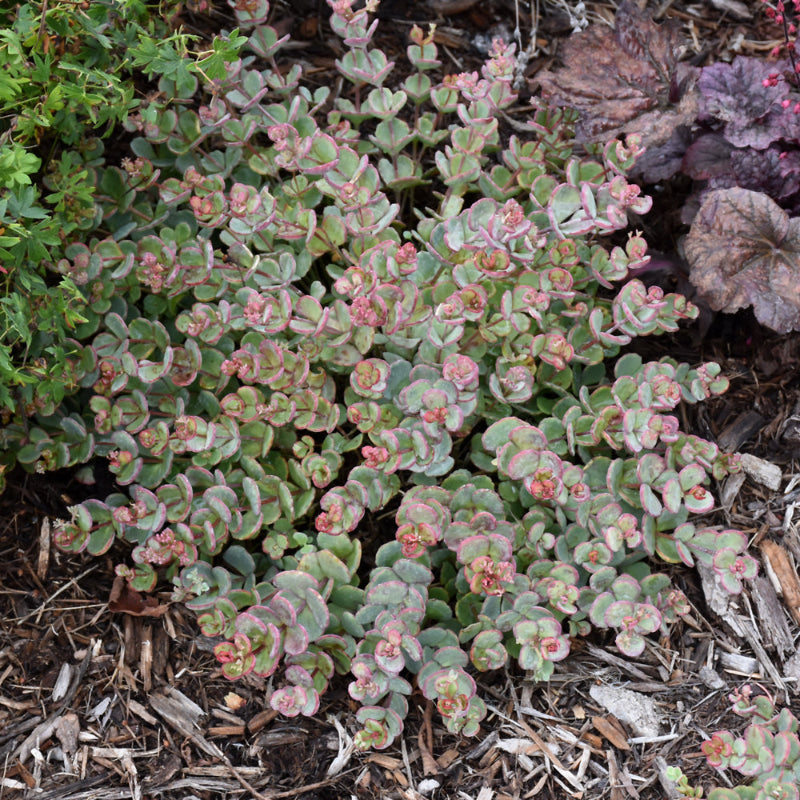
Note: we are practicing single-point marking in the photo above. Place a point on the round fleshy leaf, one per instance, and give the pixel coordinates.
(698, 500)
(487, 651)
(630, 643)
(616, 613)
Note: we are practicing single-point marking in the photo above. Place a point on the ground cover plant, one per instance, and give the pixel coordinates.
(67, 80)
(731, 127)
(315, 322)
(768, 751)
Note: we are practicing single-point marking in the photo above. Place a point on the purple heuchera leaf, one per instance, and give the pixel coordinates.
(708, 157)
(735, 90)
(774, 171)
(743, 249)
(625, 80)
(779, 123)
(753, 114)
(660, 162)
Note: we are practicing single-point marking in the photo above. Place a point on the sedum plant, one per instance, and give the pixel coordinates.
(326, 332)
(767, 752)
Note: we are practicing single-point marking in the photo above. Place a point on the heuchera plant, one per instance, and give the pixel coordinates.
(732, 128)
(768, 752)
(277, 360)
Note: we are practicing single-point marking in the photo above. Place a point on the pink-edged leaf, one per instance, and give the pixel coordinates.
(743, 249)
(295, 640)
(487, 651)
(672, 495)
(630, 643)
(786, 748)
(691, 475)
(699, 500)
(649, 618)
(293, 700)
(650, 503)
(616, 613)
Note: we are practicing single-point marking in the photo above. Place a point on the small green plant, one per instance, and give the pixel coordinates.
(682, 783)
(66, 81)
(276, 362)
(62, 77)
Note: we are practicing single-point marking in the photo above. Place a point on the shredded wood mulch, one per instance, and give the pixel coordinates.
(102, 699)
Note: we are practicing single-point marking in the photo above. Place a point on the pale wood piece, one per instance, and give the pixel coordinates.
(771, 616)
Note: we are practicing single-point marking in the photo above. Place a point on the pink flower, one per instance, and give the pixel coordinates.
(717, 749)
(374, 457)
(488, 577)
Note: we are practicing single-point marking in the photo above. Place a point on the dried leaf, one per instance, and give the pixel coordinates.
(625, 80)
(67, 729)
(125, 600)
(387, 762)
(235, 702)
(517, 746)
(743, 249)
(345, 749)
(44, 548)
(612, 732)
